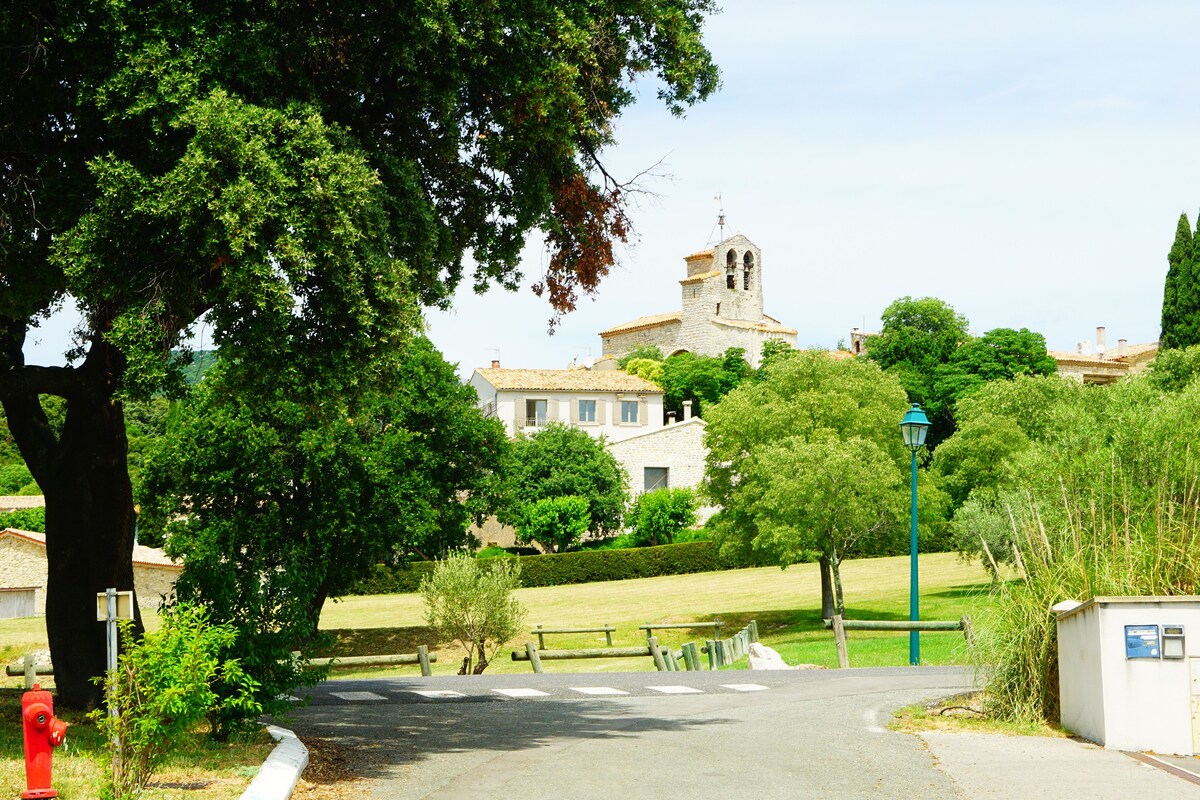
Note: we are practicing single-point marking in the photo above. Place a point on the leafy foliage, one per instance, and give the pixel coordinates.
(659, 516)
(808, 461)
(1172, 370)
(563, 461)
(164, 684)
(276, 503)
(556, 523)
(302, 175)
(1181, 290)
(474, 606)
(643, 351)
(1096, 497)
(24, 519)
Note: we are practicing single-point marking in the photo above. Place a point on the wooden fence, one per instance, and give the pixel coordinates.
(721, 652)
(840, 626)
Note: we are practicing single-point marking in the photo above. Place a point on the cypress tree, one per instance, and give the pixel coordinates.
(1181, 291)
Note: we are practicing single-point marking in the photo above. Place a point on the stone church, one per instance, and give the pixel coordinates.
(722, 307)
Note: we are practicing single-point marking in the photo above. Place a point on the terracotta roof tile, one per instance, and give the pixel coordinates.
(700, 277)
(700, 254)
(641, 323)
(22, 501)
(147, 556)
(557, 380)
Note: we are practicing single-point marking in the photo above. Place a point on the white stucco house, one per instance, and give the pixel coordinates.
(607, 403)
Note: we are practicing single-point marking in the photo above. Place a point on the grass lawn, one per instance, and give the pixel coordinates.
(786, 604)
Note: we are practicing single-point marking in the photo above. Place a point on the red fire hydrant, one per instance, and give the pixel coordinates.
(42, 733)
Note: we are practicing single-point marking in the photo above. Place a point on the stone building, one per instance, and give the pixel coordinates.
(23, 582)
(1099, 365)
(722, 307)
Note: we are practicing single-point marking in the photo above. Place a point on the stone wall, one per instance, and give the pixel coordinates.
(665, 337)
(24, 567)
(153, 583)
(679, 448)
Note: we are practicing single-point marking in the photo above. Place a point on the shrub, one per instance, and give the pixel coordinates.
(659, 516)
(556, 523)
(162, 687)
(25, 519)
(473, 605)
(587, 566)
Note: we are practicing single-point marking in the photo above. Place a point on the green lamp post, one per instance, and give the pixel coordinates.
(913, 428)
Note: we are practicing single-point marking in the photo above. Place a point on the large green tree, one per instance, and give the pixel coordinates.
(276, 502)
(563, 461)
(302, 174)
(807, 461)
(1181, 290)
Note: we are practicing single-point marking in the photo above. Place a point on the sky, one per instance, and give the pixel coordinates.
(1025, 162)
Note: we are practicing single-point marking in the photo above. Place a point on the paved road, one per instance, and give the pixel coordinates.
(766, 735)
(762, 735)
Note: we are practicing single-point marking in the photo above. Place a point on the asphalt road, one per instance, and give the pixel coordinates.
(765, 735)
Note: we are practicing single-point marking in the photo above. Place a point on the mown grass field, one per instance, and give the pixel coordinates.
(786, 604)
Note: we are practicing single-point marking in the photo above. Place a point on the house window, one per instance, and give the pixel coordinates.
(535, 413)
(655, 478)
(629, 411)
(587, 410)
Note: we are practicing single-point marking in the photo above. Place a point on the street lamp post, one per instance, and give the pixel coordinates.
(913, 428)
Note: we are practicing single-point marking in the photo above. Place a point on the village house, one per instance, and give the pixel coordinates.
(1099, 365)
(23, 582)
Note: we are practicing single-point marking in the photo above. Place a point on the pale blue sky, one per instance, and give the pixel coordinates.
(1025, 162)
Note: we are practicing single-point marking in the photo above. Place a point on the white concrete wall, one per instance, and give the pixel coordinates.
(1147, 703)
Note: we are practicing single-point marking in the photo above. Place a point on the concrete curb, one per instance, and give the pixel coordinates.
(277, 778)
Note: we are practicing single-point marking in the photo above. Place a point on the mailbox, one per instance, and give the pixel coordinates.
(1173, 644)
(1141, 641)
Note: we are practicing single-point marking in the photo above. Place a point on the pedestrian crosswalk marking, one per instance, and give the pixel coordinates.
(676, 689)
(597, 691)
(358, 696)
(745, 687)
(438, 694)
(521, 692)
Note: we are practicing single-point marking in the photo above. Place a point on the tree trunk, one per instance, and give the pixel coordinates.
(84, 474)
(839, 600)
(827, 605)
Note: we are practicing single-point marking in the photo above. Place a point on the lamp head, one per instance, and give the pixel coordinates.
(914, 427)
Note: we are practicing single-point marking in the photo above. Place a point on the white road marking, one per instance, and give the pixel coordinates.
(358, 696)
(521, 692)
(675, 689)
(597, 691)
(745, 687)
(437, 694)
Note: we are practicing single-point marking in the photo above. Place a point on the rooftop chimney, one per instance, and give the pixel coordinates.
(687, 410)
(670, 417)
(495, 363)
(1100, 341)
(1122, 347)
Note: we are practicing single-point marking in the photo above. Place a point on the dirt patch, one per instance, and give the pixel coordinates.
(329, 774)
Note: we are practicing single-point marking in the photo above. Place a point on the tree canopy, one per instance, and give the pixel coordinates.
(1181, 290)
(809, 460)
(303, 176)
(563, 461)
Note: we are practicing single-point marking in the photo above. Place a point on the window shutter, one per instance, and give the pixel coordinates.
(552, 408)
(600, 406)
(574, 409)
(643, 412)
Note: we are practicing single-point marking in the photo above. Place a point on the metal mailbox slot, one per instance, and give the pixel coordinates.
(1141, 641)
(1173, 645)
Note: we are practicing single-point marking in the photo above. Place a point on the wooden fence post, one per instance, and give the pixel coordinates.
(423, 660)
(608, 633)
(691, 658)
(839, 636)
(710, 647)
(541, 637)
(968, 631)
(30, 672)
(753, 630)
(656, 653)
(534, 659)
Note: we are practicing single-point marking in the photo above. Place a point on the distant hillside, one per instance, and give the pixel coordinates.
(202, 362)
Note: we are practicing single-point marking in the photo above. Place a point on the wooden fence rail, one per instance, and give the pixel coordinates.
(421, 657)
(664, 659)
(541, 632)
(840, 626)
(650, 628)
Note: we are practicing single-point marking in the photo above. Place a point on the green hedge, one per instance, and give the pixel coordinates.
(558, 569)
